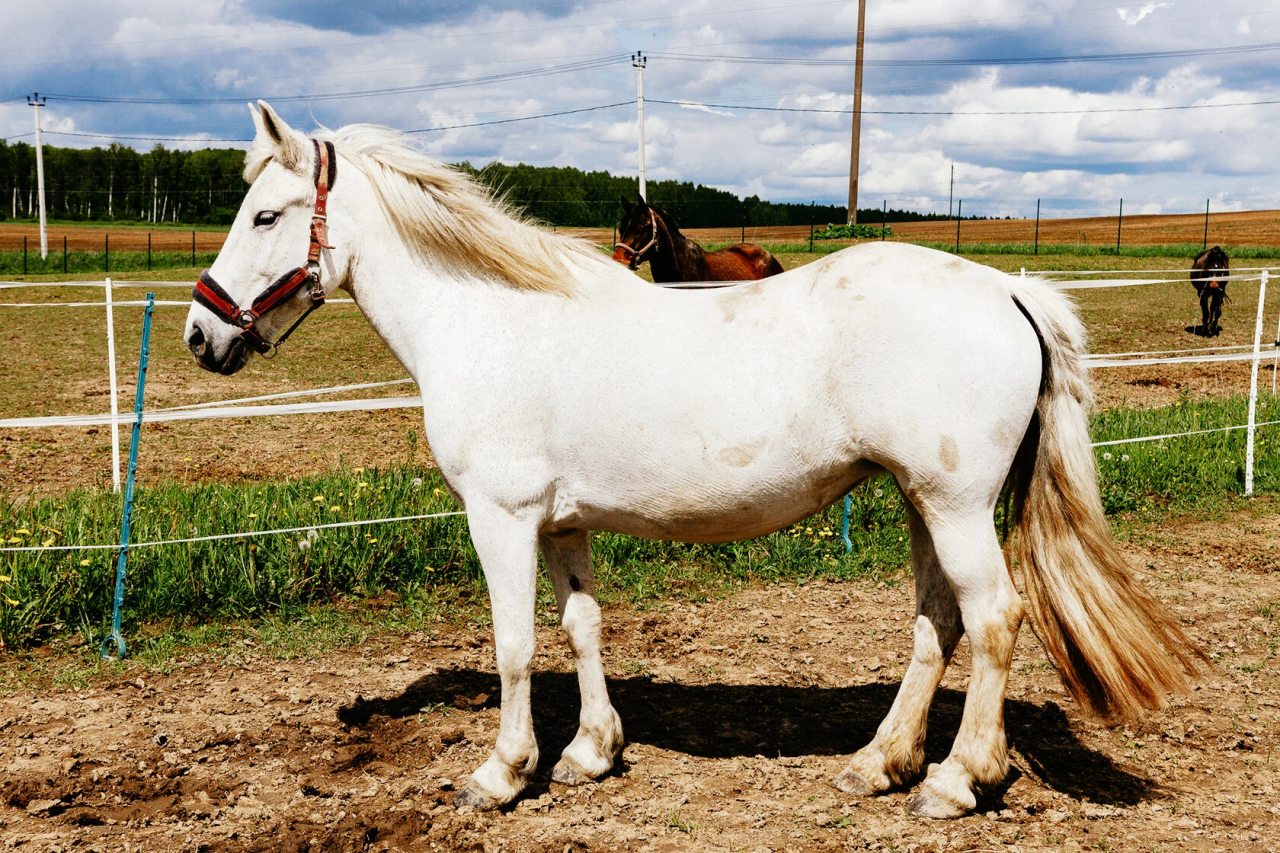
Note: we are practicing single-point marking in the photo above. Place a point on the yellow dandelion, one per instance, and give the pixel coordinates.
(318, 499)
(12, 539)
(253, 515)
(10, 601)
(5, 578)
(85, 562)
(371, 539)
(23, 531)
(46, 543)
(335, 508)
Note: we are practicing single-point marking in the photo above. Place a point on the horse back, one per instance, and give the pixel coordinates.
(744, 261)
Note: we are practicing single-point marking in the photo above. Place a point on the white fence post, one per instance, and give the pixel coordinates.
(111, 381)
(1253, 387)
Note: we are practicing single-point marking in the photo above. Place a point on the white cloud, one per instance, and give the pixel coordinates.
(1132, 17)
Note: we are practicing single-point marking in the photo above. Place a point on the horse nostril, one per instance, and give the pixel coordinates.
(196, 341)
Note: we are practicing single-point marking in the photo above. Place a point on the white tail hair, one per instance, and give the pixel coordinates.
(1118, 650)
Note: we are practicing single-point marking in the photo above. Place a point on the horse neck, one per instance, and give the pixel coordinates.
(428, 312)
(676, 258)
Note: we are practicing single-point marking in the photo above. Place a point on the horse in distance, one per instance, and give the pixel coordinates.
(1210, 272)
(648, 233)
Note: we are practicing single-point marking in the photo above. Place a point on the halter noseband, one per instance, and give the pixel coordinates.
(637, 255)
(211, 295)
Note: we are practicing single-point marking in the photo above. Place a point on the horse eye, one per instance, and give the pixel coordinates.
(266, 218)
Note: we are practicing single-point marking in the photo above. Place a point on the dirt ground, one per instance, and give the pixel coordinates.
(737, 712)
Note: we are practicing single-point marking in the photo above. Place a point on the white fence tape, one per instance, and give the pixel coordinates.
(285, 395)
(214, 537)
(215, 412)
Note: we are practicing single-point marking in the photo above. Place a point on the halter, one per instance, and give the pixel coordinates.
(211, 295)
(637, 256)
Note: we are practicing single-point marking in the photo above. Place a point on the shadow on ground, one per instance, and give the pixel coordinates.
(731, 720)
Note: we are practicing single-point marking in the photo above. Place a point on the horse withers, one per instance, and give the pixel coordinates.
(1209, 274)
(648, 233)
(561, 396)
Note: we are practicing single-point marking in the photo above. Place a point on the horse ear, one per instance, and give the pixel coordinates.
(274, 132)
(626, 205)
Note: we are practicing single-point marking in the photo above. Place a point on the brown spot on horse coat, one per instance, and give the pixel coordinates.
(741, 455)
(948, 453)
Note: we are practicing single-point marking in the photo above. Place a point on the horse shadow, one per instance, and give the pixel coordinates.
(743, 720)
(1203, 331)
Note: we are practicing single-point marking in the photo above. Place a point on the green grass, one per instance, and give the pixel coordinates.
(12, 264)
(424, 568)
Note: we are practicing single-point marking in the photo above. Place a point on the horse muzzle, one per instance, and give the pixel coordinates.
(624, 254)
(201, 346)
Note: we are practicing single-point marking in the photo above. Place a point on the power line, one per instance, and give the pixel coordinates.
(1082, 111)
(1232, 50)
(510, 120)
(564, 68)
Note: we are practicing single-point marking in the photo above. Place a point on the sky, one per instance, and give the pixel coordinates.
(1077, 103)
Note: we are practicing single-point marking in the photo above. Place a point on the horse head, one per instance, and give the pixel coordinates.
(637, 234)
(269, 274)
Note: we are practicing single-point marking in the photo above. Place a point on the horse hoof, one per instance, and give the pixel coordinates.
(567, 772)
(930, 804)
(469, 799)
(853, 782)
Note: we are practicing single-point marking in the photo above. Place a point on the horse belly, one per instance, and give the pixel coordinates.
(734, 494)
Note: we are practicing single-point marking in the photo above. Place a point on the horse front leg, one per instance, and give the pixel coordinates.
(1205, 296)
(1215, 312)
(598, 744)
(507, 547)
(896, 753)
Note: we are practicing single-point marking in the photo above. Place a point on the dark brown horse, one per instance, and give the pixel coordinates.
(650, 234)
(1209, 273)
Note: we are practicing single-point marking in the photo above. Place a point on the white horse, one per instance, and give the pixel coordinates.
(563, 395)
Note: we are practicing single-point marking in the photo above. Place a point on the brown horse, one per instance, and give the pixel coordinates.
(650, 234)
(1209, 273)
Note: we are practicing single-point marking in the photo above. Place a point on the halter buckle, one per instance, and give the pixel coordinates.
(245, 319)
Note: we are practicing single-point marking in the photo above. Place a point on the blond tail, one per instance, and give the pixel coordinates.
(1118, 650)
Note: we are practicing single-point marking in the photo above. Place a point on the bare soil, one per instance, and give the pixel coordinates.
(738, 713)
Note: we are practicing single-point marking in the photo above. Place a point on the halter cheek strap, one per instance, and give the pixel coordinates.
(213, 296)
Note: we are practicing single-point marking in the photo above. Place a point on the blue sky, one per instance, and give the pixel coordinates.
(967, 82)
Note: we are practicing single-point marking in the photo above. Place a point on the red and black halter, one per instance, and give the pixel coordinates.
(211, 295)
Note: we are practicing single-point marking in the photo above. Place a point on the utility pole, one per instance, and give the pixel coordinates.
(638, 61)
(37, 101)
(857, 115)
(951, 192)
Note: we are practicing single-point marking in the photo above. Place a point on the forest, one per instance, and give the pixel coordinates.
(204, 187)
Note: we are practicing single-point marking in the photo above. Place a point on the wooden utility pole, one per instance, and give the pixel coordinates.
(857, 116)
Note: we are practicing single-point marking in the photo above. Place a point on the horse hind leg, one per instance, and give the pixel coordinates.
(991, 610)
(598, 744)
(896, 753)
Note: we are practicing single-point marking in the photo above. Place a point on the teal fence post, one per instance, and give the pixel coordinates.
(844, 526)
(126, 517)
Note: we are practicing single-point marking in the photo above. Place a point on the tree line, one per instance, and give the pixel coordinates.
(204, 187)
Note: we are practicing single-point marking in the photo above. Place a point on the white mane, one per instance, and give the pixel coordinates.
(445, 214)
